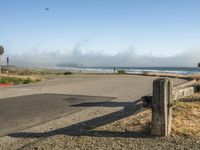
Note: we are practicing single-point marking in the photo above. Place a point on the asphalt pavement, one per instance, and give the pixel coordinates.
(25, 111)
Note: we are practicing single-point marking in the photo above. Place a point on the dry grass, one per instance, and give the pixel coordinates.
(32, 77)
(17, 80)
(186, 118)
(180, 76)
(195, 76)
(167, 75)
(34, 73)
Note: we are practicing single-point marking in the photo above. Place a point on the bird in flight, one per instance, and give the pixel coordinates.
(47, 9)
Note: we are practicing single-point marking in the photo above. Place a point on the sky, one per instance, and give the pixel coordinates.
(101, 32)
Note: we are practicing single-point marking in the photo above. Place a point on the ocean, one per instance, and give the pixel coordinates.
(135, 70)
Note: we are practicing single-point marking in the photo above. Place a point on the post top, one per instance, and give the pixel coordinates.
(162, 79)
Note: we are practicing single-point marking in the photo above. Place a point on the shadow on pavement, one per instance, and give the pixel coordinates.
(103, 104)
(84, 128)
(22, 112)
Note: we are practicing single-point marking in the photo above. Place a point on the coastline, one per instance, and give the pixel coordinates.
(49, 72)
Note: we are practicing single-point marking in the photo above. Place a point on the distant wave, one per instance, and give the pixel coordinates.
(134, 70)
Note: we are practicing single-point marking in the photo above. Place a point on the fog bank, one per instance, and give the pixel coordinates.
(128, 58)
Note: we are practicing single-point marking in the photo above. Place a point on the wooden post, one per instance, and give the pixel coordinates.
(162, 107)
(0, 63)
(8, 65)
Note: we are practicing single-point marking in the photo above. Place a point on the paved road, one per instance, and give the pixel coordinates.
(25, 111)
(29, 105)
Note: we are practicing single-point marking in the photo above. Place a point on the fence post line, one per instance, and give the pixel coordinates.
(161, 107)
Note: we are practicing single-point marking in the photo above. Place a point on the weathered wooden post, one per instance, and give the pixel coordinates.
(162, 107)
(1, 53)
(8, 64)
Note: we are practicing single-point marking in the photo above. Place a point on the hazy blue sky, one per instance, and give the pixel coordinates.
(148, 27)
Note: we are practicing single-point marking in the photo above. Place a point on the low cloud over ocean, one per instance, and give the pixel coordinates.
(127, 58)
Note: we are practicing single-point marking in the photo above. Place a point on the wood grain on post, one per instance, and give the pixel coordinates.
(169, 106)
(161, 107)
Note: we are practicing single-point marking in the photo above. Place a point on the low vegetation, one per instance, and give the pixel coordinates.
(16, 80)
(68, 73)
(180, 76)
(186, 118)
(35, 72)
(121, 72)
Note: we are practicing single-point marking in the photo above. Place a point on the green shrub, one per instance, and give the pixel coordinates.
(121, 72)
(68, 73)
(26, 81)
(14, 80)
